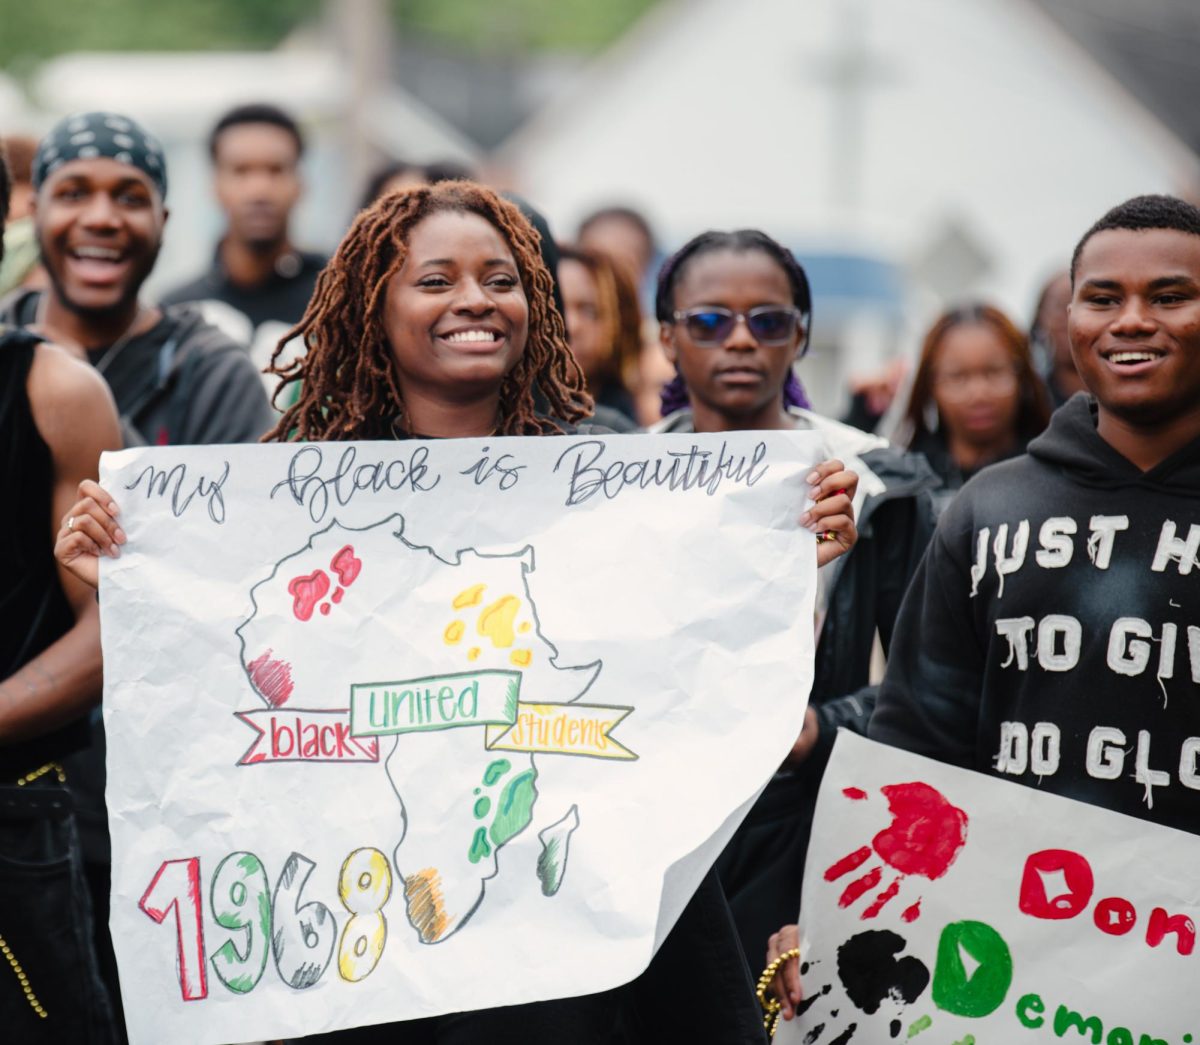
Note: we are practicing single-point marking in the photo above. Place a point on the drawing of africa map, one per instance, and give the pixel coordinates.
(361, 643)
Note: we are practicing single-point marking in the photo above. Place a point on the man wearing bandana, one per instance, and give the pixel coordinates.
(101, 182)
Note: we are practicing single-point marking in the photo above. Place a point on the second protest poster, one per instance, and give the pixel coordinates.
(944, 906)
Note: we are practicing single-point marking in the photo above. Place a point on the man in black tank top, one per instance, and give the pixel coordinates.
(56, 418)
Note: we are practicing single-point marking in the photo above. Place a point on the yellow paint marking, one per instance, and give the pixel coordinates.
(521, 658)
(454, 632)
(473, 653)
(471, 596)
(496, 621)
(524, 628)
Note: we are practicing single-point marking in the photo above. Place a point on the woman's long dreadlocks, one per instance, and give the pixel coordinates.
(349, 383)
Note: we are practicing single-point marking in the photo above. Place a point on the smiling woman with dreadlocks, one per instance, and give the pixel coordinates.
(435, 318)
(735, 311)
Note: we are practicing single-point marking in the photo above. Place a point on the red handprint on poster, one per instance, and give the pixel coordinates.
(923, 839)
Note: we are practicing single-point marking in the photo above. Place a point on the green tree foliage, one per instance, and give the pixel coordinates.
(36, 29)
(582, 25)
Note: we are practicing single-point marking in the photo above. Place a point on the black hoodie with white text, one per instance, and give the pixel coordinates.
(1052, 633)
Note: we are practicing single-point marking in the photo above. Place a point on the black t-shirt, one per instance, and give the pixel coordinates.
(282, 298)
(33, 607)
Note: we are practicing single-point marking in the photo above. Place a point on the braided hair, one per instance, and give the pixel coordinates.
(674, 393)
(350, 385)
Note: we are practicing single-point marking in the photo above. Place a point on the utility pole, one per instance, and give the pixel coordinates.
(849, 71)
(363, 32)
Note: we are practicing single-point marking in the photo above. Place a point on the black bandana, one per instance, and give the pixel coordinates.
(106, 135)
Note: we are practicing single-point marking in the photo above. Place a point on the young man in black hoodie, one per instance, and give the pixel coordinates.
(1052, 632)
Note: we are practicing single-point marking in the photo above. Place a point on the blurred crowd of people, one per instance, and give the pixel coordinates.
(601, 332)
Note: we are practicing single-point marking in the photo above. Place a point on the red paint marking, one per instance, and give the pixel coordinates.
(926, 833)
(324, 609)
(166, 893)
(307, 592)
(1114, 915)
(855, 794)
(859, 886)
(882, 899)
(271, 678)
(337, 594)
(848, 863)
(346, 566)
(911, 914)
(1076, 871)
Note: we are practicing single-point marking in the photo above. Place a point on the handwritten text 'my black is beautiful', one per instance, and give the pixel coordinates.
(590, 467)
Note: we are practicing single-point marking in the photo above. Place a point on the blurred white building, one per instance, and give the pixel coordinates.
(912, 152)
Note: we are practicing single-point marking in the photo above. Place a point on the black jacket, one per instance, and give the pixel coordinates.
(933, 447)
(1052, 633)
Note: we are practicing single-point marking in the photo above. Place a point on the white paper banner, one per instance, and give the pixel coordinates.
(397, 729)
(948, 907)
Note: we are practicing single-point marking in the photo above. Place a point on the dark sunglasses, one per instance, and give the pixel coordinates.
(709, 326)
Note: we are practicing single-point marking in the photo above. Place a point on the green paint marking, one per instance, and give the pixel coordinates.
(981, 991)
(249, 863)
(968, 1040)
(243, 984)
(515, 808)
(479, 846)
(483, 806)
(511, 697)
(924, 1023)
(495, 771)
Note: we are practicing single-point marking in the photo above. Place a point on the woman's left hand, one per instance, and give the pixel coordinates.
(832, 487)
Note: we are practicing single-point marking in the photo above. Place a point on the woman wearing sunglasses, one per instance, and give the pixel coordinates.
(735, 309)
(976, 397)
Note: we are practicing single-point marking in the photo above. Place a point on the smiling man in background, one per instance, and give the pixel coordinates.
(101, 182)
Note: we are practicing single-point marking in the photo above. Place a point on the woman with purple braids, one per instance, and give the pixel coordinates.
(735, 310)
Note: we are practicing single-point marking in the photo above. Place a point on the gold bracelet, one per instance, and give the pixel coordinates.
(772, 1006)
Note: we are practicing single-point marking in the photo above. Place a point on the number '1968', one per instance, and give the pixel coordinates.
(300, 937)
